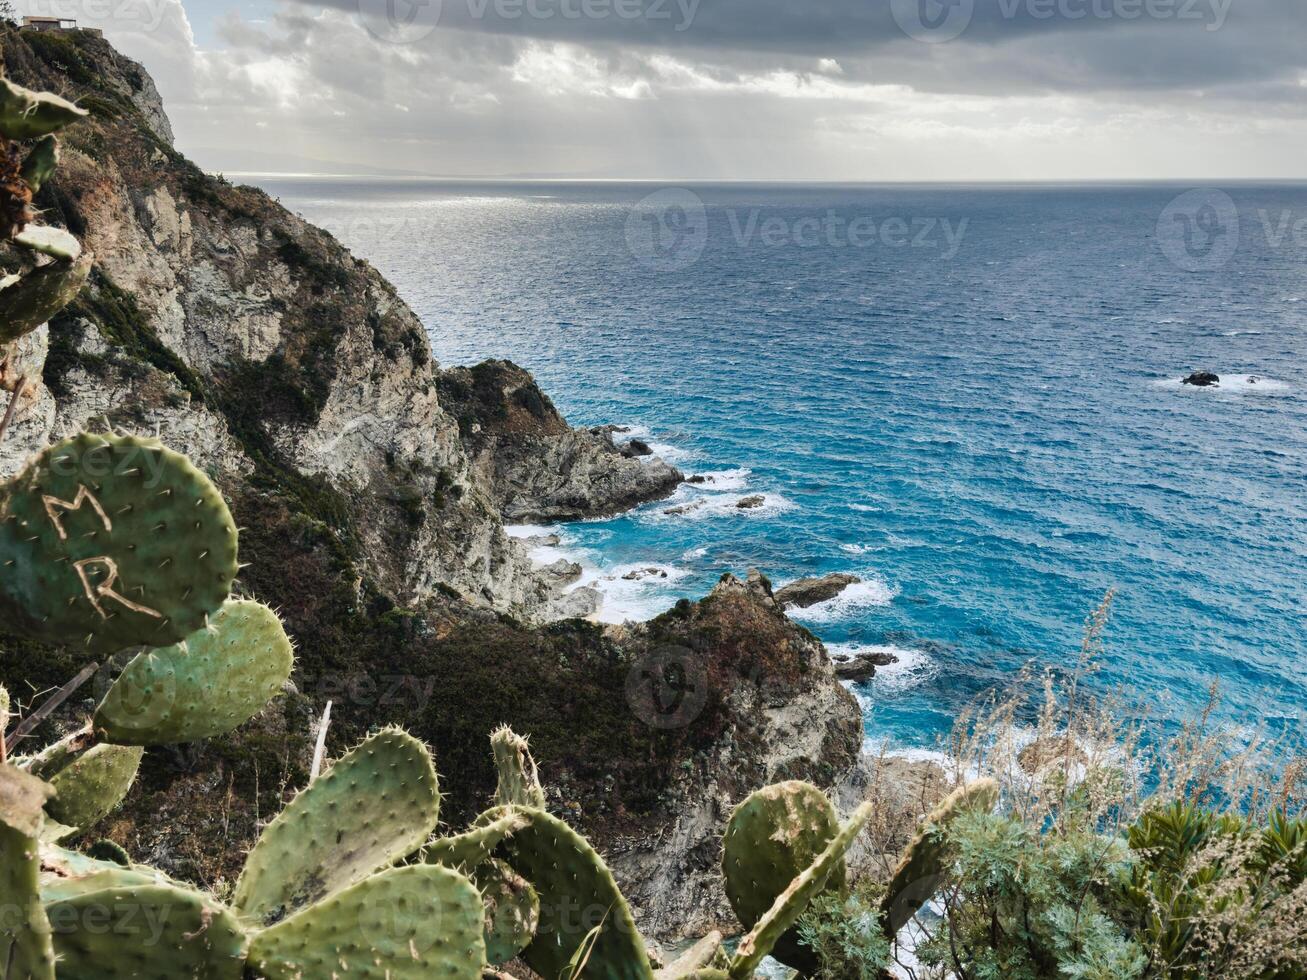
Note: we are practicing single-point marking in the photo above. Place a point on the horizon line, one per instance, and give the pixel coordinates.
(834, 181)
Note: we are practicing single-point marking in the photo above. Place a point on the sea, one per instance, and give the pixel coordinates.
(968, 396)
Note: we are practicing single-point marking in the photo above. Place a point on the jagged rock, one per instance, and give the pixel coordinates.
(862, 666)
(783, 716)
(1202, 379)
(698, 479)
(635, 448)
(537, 467)
(810, 591)
(752, 502)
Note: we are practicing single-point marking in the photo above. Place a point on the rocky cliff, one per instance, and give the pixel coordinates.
(372, 490)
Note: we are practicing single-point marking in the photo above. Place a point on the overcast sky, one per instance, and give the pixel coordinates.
(728, 89)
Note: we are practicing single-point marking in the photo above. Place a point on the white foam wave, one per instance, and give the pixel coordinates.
(636, 599)
(703, 506)
(865, 508)
(1240, 384)
(857, 549)
(873, 591)
(694, 553)
(736, 479)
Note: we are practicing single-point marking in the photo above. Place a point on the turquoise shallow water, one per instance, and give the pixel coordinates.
(991, 438)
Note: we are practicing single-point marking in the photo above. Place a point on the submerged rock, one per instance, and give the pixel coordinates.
(752, 502)
(1202, 379)
(810, 591)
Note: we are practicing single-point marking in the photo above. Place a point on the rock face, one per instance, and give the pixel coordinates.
(372, 490)
(538, 468)
(1202, 379)
(782, 716)
(810, 591)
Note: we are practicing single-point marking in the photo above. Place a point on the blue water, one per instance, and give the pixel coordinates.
(992, 439)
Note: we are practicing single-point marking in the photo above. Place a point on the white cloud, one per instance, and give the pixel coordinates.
(311, 89)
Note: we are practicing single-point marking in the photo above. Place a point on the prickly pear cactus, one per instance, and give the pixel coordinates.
(519, 780)
(405, 924)
(25, 941)
(770, 839)
(468, 850)
(921, 870)
(375, 806)
(92, 784)
(577, 893)
(107, 850)
(26, 115)
(211, 683)
(40, 163)
(147, 932)
(791, 903)
(512, 910)
(30, 300)
(113, 541)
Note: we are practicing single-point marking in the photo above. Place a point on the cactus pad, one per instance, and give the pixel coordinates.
(577, 893)
(92, 784)
(113, 541)
(770, 839)
(404, 924)
(512, 910)
(212, 683)
(107, 850)
(25, 944)
(40, 163)
(921, 870)
(519, 780)
(793, 902)
(474, 847)
(25, 114)
(375, 806)
(30, 300)
(146, 932)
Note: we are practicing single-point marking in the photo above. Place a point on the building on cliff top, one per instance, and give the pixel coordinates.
(56, 24)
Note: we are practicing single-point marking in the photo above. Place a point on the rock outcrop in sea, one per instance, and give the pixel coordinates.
(373, 488)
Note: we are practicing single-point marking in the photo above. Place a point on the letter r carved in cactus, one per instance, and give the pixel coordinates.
(104, 590)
